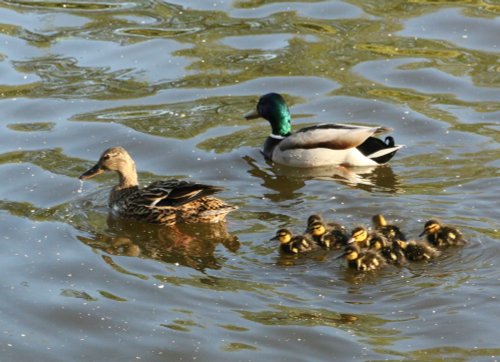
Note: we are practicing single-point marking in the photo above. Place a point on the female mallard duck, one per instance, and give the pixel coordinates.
(322, 144)
(362, 260)
(162, 202)
(391, 232)
(417, 250)
(291, 244)
(441, 235)
(327, 235)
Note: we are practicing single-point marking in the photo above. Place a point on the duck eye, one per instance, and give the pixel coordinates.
(106, 156)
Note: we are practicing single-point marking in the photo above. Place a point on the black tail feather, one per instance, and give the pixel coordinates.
(373, 144)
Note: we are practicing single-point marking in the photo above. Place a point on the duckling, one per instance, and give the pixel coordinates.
(362, 237)
(314, 218)
(362, 260)
(322, 144)
(391, 253)
(352, 254)
(329, 224)
(327, 236)
(441, 235)
(291, 244)
(417, 250)
(391, 232)
(371, 260)
(162, 202)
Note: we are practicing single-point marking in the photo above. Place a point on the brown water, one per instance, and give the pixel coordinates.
(170, 82)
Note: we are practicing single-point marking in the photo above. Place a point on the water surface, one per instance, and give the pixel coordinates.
(170, 83)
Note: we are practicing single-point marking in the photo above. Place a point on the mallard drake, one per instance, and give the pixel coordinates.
(327, 236)
(391, 232)
(162, 202)
(417, 250)
(322, 144)
(362, 260)
(441, 235)
(291, 244)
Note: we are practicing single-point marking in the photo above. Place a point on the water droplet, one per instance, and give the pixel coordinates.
(80, 189)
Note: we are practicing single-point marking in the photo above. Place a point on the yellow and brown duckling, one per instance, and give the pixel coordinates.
(362, 237)
(389, 250)
(390, 231)
(329, 236)
(441, 235)
(371, 260)
(330, 225)
(417, 250)
(162, 202)
(314, 218)
(293, 244)
(361, 259)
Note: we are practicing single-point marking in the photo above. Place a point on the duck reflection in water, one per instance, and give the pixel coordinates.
(287, 181)
(191, 245)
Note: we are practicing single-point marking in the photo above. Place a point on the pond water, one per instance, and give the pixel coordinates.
(170, 82)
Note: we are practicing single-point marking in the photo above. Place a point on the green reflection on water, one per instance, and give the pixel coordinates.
(238, 346)
(339, 45)
(158, 33)
(408, 50)
(365, 326)
(454, 171)
(412, 8)
(53, 160)
(62, 77)
(28, 210)
(65, 5)
(32, 127)
(249, 4)
(234, 328)
(249, 137)
(33, 38)
(227, 284)
(121, 269)
(182, 325)
(77, 294)
(448, 353)
(111, 296)
(177, 120)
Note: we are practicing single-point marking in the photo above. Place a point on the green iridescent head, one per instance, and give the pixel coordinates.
(273, 108)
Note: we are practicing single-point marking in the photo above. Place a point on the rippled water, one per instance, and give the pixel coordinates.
(170, 82)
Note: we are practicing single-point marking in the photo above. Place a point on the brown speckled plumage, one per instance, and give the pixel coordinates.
(442, 236)
(162, 202)
(391, 232)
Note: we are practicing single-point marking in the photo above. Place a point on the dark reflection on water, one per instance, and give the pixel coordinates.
(170, 82)
(286, 181)
(188, 245)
